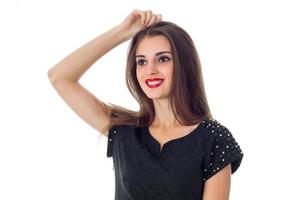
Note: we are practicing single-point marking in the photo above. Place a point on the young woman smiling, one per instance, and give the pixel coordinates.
(172, 148)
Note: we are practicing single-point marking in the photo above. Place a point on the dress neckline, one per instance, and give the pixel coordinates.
(159, 149)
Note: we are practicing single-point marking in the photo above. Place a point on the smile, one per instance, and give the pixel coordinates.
(154, 83)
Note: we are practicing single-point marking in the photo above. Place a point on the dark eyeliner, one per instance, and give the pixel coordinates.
(164, 58)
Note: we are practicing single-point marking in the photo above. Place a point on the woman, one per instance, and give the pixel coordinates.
(172, 148)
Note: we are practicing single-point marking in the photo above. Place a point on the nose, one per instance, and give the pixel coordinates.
(151, 68)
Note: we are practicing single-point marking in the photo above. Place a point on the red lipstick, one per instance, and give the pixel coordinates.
(154, 82)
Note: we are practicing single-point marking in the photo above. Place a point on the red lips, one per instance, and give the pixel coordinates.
(154, 79)
(155, 82)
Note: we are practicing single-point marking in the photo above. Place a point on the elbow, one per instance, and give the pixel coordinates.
(51, 76)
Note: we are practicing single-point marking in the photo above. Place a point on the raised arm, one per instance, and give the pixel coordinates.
(65, 75)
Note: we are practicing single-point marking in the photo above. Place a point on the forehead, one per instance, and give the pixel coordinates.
(153, 44)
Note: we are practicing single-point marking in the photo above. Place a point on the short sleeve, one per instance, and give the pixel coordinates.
(224, 150)
(112, 132)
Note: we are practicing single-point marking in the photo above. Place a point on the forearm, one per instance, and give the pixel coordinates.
(73, 66)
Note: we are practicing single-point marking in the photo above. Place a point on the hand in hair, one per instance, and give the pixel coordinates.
(138, 20)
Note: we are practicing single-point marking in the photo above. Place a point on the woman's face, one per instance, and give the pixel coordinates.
(154, 66)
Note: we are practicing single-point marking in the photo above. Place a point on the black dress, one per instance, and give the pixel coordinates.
(179, 170)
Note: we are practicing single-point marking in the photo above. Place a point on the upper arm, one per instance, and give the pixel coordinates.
(93, 111)
(217, 187)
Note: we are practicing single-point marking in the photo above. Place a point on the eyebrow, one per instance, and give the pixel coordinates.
(157, 54)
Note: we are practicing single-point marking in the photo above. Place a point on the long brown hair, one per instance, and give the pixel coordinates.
(187, 93)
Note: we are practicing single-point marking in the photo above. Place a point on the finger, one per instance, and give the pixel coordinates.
(143, 16)
(148, 17)
(158, 18)
(136, 13)
(140, 14)
(153, 20)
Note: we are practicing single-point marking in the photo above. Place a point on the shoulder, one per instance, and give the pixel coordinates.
(219, 134)
(222, 148)
(213, 131)
(213, 124)
(120, 135)
(121, 130)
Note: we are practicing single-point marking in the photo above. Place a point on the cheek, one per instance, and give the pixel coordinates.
(168, 71)
(139, 75)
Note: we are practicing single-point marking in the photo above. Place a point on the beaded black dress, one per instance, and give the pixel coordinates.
(178, 171)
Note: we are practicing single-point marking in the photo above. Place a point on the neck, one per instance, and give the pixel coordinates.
(164, 116)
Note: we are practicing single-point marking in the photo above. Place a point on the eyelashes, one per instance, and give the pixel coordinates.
(164, 58)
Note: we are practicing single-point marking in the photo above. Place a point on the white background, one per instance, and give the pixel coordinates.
(249, 51)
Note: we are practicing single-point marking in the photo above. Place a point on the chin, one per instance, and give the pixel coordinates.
(156, 97)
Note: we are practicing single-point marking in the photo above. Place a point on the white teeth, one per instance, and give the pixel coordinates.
(153, 82)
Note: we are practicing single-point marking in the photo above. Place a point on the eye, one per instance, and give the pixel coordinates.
(139, 62)
(161, 59)
(165, 58)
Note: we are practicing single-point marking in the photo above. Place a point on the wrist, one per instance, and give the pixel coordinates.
(121, 33)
